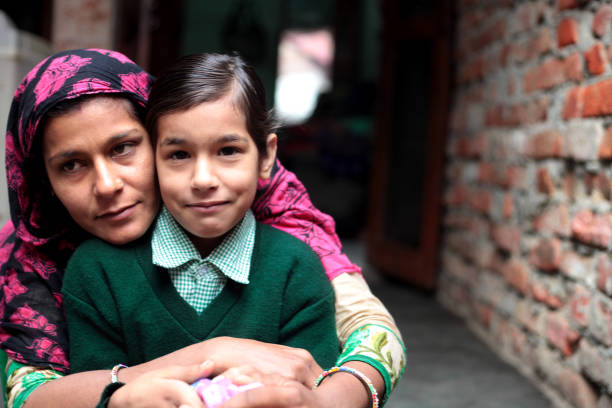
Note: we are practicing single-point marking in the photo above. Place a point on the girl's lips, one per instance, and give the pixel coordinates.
(208, 206)
(119, 214)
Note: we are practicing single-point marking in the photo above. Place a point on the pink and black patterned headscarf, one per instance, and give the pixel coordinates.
(36, 244)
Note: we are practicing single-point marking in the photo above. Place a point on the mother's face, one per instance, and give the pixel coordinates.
(99, 161)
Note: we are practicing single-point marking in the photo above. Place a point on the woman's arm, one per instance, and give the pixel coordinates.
(84, 389)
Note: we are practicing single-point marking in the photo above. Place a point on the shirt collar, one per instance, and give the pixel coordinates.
(172, 248)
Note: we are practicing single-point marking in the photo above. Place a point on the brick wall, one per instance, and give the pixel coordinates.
(527, 231)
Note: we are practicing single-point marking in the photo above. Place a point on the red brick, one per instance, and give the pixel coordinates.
(471, 71)
(600, 323)
(548, 74)
(539, 44)
(556, 220)
(592, 229)
(560, 334)
(567, 4)
(574, 103)
(517, 275)
(567, 32)
(512, 177)
(541, 293)
(507, 237)
(544, 181)
(456, 195)
(596, 59)
(601, 19)
(546, 255)
(481, 201)
(518, 341)
(508, 206)
(483, 313)
(486, 173)
(594, 363)
(578, 304)
(605, 148)
(597, 99)
(569, 186)
(494, 32)
(527, 315)
(572, 67)
(604, 273)
(576, 389)
(545, 144)
(575, 266)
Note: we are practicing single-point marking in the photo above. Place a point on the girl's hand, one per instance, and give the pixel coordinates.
(165, 387)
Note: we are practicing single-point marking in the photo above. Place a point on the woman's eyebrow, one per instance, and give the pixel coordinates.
(66, 154)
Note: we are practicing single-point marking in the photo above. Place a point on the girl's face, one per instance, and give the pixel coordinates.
(99, 161)
(207, 167)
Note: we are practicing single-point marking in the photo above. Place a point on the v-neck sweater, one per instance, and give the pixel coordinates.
(120, 308)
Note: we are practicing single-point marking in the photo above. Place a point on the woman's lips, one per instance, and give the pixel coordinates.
(119, 214)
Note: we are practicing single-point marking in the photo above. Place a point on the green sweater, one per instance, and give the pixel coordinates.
(121, 308)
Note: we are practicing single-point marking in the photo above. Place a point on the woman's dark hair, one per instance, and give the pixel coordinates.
(198, 78)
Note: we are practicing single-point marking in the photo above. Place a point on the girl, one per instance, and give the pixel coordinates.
(36, 244)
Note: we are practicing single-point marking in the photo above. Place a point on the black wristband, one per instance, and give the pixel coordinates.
(108, 392)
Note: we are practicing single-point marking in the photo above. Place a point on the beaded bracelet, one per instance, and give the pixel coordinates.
(115, 372)
(364, 380)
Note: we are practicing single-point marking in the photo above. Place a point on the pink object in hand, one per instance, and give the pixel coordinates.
(218, 390)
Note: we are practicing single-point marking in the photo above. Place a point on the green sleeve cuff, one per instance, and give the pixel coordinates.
(379, 347)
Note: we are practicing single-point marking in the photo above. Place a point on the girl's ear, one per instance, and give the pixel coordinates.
(266, 163)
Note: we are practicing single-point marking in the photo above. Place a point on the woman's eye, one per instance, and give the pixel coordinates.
(71, 166)
(228, 151)
(179, 155)
(123, 148)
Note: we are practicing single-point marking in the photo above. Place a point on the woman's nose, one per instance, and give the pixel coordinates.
(204, 177)
(107, 180)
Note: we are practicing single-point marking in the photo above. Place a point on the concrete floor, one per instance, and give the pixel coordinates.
(447, 365)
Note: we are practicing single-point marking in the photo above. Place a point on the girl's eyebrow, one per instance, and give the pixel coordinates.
(228, 138)
(169, 141)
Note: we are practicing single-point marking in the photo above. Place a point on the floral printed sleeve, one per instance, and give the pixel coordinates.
(379, 347)
(367, 330)
(23, 380)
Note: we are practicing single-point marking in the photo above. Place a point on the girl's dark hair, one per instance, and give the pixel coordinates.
(198, 78)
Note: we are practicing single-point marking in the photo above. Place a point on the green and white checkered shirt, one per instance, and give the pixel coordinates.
(199, 280)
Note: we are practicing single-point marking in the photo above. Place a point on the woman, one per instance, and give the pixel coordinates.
(42, 235)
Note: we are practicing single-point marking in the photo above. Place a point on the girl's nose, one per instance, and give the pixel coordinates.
(204, 177)
(107, 180)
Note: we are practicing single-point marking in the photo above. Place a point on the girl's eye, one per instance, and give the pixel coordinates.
(123, 149)
(179, 155)
(228, 151)
(71, 166)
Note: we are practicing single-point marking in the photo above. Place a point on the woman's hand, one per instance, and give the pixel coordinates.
(292, 363)
(228, 352)
(284, 394)
(165, 387)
